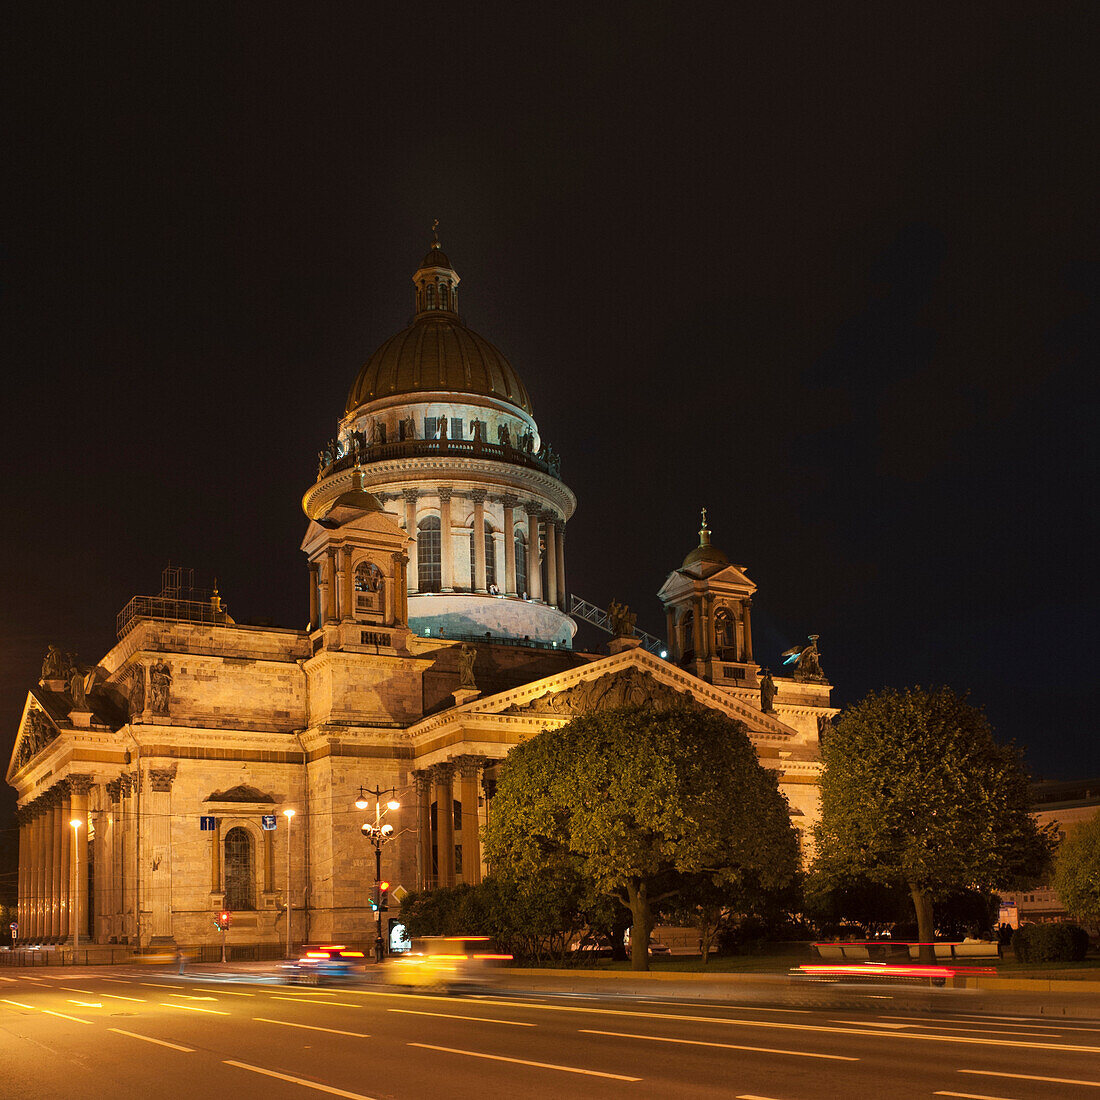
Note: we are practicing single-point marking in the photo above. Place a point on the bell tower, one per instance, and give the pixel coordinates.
(708, 613)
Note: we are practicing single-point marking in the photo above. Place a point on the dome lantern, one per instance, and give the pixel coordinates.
(436, 281)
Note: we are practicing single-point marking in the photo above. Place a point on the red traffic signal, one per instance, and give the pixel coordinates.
(383, 886)
(224, 919)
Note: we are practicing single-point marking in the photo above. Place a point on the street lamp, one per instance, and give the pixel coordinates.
(289, 815)
(76, 823)
(378, 834)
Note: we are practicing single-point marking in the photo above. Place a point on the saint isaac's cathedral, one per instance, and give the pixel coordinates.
(154, 786)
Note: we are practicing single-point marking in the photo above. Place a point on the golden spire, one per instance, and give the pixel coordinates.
(704, 531)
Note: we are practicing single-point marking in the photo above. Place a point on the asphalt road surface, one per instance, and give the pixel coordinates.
(119, 1033)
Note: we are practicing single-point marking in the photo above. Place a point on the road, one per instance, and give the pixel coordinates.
(131, 1032)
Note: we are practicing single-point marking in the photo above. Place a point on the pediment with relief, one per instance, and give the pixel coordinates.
(628, 687)
(35, 733)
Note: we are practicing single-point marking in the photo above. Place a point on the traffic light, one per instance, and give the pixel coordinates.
(222, 920)
(383, 896)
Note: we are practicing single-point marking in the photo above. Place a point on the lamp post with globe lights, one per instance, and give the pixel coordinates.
(378, 833)
(289, 815)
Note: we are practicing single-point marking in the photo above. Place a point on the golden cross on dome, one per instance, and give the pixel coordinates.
(704, 517)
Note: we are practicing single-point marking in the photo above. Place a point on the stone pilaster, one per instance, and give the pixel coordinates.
(411, 497)
(469, 768)
(509, 502)
(551, 559)
(480, 583)
(443, 776)
(559, 527)
(158, 900)
(79, 786)
(534, 568)
(423, 781)
(314, 596)
(446, 543)
(748, 630)
(331, 611)
(67, 838)
(53, 866)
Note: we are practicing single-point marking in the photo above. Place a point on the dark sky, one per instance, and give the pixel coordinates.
(829, 270)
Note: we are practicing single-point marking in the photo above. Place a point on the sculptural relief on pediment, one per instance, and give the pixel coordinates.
(628, 687)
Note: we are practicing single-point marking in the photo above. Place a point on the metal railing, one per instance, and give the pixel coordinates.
(415, 448)
(598, 617)
(169, 609)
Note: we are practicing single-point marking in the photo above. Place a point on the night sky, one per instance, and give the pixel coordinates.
(829, 270)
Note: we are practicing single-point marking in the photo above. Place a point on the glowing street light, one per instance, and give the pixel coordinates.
(289, 815)
(378, 834)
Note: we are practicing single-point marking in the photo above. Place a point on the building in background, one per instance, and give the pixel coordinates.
(152, 785)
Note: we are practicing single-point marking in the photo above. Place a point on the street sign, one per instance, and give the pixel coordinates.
(14, 926)
(208, 824)
(267, 822)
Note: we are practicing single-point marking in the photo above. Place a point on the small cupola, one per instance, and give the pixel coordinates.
(436, 282)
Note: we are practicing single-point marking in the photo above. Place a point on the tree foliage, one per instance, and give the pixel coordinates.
(916, 792)
(1077, 872)
(643, 804)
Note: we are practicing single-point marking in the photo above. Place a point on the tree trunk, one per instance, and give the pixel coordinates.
(922, 903)
(643, 925)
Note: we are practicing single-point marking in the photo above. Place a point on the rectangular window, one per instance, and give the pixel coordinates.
(380, 431)
(731, 672)
(431, 427)
(458, 859)
(456, 428)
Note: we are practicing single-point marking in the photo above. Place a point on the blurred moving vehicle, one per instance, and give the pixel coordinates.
(325, 964)
(446, 964)
(656, 948)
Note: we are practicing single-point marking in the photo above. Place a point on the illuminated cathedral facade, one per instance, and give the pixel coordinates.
(205, 765)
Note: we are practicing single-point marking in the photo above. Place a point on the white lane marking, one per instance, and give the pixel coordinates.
(298, 1080)
(29, 978)
(1038, 1028)
(781, 1025)
(455, 1016)
(723, 1046)
(1031, 1077)
(192, 997)
(525, 1062)
(3, 979)
(753, 1096)
(973, 1095)
(117, 981)
(18, 1004)
(61, 1015)
(194, 1008)
(310, 1027)
(231, 993)
(953, 1030)
(873, 1023)
(341, 1004)
(159, 985)
(84, 1004)
(755, 1008)
(150, 1039)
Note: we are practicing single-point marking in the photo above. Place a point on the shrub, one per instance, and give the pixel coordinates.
(1050, 943)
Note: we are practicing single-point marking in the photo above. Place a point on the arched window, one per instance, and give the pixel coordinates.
(443, 302)
(430, 292)
(490, 559)
(725, 634)
(368, 587)
(429, 568)
(521, 561)
(239, 870)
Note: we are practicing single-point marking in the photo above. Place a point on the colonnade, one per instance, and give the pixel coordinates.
(55, 859)
(455, 783)
(53, 863)
(544, 528)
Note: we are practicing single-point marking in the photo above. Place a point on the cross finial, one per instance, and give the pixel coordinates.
(435, 231)
(704, 517)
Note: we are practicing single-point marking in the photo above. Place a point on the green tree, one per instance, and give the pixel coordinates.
(916, 792)
(1077, 872)
(643, 801)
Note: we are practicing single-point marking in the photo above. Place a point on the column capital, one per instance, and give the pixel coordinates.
(445, 492)
(422, 777)
(160, 779)
(443, 772)
(469, 766)
(509, 500)
(125, 784)
(532, 509)
(80, 784)
(411, 495)
(114, 789)
(478, 496)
